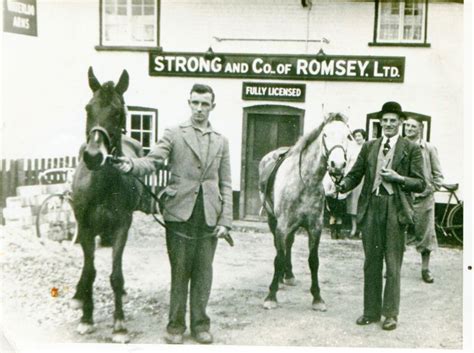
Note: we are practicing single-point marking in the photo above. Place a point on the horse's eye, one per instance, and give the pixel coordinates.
(350, 138)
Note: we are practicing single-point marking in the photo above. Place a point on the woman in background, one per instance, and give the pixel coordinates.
(360, 137)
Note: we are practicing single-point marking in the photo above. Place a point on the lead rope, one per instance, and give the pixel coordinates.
(228, 237)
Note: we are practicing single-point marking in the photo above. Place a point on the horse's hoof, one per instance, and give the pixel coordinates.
(76, 304)
(290, 281)
(319, 306)
(84, 328)
(120, 337)
(270, 304)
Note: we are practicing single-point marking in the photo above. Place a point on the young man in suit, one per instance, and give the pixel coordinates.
(424, 203)
(392, 168)
(197, 204)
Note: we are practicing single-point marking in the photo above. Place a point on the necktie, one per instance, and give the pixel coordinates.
(386, 147)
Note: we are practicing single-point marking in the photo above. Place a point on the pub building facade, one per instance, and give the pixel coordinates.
(276, 66)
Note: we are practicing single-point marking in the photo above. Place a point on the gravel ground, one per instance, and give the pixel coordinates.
(431, 315)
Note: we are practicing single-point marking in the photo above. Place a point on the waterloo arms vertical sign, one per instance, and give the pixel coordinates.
(19, 16)
(280, 67)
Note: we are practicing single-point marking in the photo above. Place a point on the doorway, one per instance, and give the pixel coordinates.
(265, 128)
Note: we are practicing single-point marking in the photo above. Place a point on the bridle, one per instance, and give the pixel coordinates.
(326, 154)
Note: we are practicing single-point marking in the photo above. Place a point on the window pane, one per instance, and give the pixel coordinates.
(136, 135)
(146, 122)
(122, 10)
(136, 10)
(149, 10)
(136, 122)
(146, 139)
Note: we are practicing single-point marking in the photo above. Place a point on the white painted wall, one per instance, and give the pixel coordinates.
(45, 78)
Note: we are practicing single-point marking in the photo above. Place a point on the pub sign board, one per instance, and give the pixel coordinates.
(19, 16)
(283, 67)
(273, 91)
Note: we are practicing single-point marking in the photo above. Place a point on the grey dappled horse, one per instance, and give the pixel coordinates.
(293, 196)
(103, 198)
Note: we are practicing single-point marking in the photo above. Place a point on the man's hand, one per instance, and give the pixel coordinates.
(123, 164)
(222, 232)
(340, 187)
(391, 176)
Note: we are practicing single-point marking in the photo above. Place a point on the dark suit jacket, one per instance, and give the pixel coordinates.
(188, 173)
(407, 161)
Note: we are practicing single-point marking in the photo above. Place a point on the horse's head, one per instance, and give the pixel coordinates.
(105, 120)
(335, 138)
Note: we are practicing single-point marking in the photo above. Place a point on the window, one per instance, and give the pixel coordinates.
(142, 125)
(129, 23)
(401, 22)
(374, 129)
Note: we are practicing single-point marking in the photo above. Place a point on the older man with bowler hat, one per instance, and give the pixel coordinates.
(392, 169)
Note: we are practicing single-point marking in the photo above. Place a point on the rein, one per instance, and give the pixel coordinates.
(228, 237)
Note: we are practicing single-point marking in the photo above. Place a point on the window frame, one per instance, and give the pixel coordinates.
(400, 42)
(372, 125)
(131, 109)
(128, 47)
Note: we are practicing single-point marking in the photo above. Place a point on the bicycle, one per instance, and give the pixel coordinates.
(451, 223)
(55, 218)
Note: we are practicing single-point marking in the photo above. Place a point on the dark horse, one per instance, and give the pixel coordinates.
(293, 196)
(103, 198)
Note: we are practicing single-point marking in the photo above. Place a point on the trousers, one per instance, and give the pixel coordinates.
(191, 270)
(383, 238)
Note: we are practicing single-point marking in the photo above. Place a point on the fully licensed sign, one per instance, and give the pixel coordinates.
(19, 16)
(283, 67)
(273, 91)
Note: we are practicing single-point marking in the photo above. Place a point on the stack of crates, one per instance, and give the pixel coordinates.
(22, 210)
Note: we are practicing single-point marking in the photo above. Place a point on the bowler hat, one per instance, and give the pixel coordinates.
(392, 107)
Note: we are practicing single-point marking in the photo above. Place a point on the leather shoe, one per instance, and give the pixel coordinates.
(365, 320)
(174, 338)
(427, 276)
(203, 337)
(390, 323)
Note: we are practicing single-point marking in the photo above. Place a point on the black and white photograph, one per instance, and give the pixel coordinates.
(236, 174)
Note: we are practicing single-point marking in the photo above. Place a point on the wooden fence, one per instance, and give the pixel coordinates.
(20, 172)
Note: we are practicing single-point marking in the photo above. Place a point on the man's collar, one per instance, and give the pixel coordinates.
(393, 139)
(189, 123)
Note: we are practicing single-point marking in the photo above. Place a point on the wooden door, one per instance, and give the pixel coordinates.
(265, 131)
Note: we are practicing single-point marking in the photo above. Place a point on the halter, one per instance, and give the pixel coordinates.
(327, 153)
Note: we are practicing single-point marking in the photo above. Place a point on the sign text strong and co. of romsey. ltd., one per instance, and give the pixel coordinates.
(282, 67)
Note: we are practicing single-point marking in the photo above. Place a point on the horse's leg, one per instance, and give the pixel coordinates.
(289, 277)
(83, 297)
(279, 268)
(119, 333)
(314, 236)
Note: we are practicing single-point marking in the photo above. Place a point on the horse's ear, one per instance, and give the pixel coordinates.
(122, 84)
(94, 84)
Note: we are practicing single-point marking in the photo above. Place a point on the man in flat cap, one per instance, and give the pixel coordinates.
(392, 168)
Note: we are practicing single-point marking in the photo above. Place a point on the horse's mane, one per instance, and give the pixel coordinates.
(312, 136)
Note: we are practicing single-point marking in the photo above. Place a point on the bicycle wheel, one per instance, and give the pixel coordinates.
(55, 219)
(455, 222)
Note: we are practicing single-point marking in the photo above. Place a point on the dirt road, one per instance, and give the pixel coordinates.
(431, 315)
